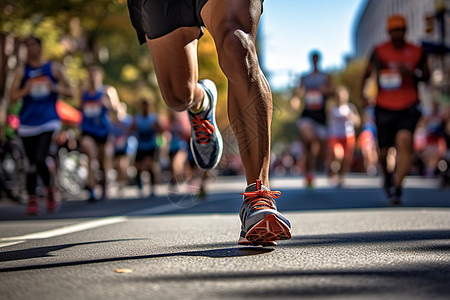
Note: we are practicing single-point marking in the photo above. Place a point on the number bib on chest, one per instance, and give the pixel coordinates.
(92, 109)
(40, 88)
(313, 100)
(390, 79)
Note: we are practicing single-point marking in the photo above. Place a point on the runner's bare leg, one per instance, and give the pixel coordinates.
(404, 141)
(233, 25)
(175, 61)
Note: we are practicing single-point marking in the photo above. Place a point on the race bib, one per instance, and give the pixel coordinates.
(40, 88)
(390, 79)
(92, 109)
(313, 100)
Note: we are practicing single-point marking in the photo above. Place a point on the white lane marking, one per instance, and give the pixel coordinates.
(10, 243)
(14, 240)
(68, 229)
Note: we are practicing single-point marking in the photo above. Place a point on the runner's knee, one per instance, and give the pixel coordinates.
(237, 56)
(404, 140)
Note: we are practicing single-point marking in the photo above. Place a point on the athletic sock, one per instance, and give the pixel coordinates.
(205, 103)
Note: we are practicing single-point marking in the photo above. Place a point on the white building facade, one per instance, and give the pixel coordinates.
(370, 28)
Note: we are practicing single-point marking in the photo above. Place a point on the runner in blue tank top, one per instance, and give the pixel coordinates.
(96, 100)
(38, 84)
(312, 93)
(146, 128)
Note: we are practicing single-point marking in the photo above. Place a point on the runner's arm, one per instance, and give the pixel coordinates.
(370, 67)
(297, 95)
(112, 100)
(328, 88)
(15, 91)
(354, 116)
(424, 69)
(63, 87)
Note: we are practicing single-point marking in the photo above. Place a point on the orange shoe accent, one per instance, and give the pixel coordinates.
(203, 129)
(261, 199)
(270, 229)
(309, 180)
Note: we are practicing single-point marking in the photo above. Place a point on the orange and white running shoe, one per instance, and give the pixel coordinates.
(261, 222)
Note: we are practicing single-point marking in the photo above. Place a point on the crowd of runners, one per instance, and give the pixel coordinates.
(147, 148)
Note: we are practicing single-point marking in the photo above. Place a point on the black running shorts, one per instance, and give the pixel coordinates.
(390, 122)
(156, 18)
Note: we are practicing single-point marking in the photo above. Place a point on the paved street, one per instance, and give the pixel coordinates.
(347, 243)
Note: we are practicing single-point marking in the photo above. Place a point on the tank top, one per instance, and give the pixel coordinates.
(146, 134)
(395, 90)
(38, 113)
(339, 124)
(314, 99)
(95, 114)
(119, 131)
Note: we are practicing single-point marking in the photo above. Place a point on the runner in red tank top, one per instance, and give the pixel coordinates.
(399, 67)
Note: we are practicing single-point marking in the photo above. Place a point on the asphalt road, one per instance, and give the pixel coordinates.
(347, 243)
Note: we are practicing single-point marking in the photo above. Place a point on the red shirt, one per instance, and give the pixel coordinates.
(397, 91)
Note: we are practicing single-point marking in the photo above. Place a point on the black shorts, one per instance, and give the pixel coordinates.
(390, 122)
(156, 18)
(101, 140)
(141, 154)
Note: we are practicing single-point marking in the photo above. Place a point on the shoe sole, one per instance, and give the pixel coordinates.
(268, 230)
(245, 242)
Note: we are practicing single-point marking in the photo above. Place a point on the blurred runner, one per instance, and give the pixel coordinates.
(312, 93)
(435, 146)
(171, 30)
(343, 118)
(120, 127)
(399, 66)
(39, 83)
(146, 127)
(96, 100)
(180, 133)
(367, 141)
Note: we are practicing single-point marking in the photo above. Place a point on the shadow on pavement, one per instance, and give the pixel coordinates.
(367, 238)
(406, 282)
(363, 238)
(43, 251)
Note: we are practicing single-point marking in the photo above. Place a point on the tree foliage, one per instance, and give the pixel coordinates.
(78, 32)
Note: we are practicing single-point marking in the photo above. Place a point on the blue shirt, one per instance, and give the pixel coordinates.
(38, 113)
(95, 114)
(146, 133)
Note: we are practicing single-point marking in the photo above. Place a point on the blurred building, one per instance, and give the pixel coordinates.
(370, 29)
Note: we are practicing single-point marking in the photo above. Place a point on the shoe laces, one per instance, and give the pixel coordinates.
(260, 199)
(203, 129)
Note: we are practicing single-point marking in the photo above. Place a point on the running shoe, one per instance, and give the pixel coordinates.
(51, 203)
(396, 198)
(32, 206)
(262, 224)
(388, 185)
(206, 140)
(309, 177)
